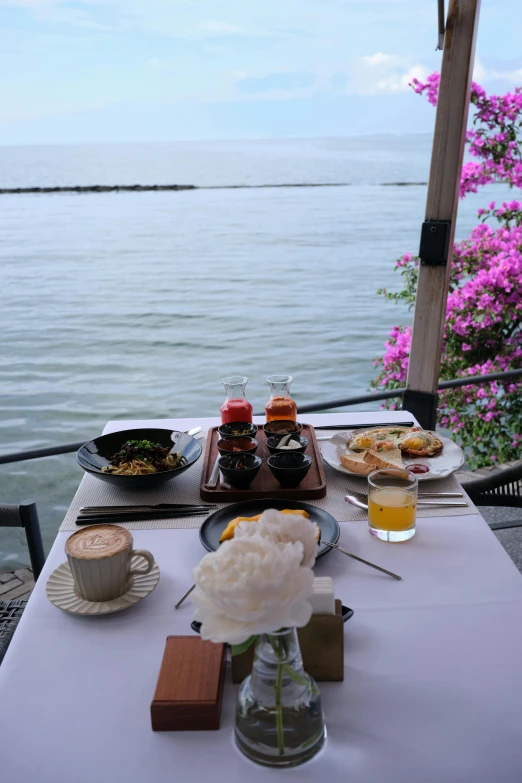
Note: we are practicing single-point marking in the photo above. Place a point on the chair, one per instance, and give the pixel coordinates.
(503, 488)
(24, 515)
(10, 614)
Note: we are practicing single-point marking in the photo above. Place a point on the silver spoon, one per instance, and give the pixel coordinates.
(175, 435)
(181, 600)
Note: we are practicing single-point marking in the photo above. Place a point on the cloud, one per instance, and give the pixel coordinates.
(382, 73)
(378, 58)
(287, 82)
(513, 77)
(479, 72)
(400, 82)
(507, 72)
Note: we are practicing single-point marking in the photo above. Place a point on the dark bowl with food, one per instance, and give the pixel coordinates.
(289, 469)
(165, 453)
(237, 429)
(237, 445)
(273, 447)
(239, 470)
(280, 428)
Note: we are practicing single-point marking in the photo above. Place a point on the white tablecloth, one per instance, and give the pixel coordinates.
(433, 677)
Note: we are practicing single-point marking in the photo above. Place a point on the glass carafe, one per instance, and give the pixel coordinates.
(279, 718)
(280, 405)
(236, 406)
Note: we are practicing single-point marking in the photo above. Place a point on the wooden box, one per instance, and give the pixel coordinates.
(322, 648)
(264, 485)
(189, 690)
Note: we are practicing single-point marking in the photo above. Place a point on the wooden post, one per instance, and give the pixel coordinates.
(443, 194)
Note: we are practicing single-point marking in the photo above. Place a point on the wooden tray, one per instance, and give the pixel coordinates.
(265, 485)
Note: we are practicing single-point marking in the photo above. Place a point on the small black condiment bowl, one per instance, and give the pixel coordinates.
(238, 429)
(237, 445)
(281, 427)
(289, 469)
(272, 445)
(237, 477)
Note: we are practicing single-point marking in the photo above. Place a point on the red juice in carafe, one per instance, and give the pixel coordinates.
(236, 410)
(236, 406)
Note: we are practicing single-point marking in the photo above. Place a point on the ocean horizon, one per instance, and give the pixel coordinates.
(127, 305)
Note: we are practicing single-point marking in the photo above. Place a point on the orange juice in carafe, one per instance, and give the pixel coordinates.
(280, 405)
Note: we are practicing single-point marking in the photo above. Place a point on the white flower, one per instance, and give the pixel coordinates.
(282, 529)
(251, 586)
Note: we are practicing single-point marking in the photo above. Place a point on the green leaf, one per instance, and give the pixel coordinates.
(300, 679)
(237, 649)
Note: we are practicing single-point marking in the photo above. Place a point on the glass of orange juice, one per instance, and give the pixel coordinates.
(392, 504)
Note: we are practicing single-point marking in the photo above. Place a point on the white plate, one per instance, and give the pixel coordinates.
(60, 591)
(450, 459)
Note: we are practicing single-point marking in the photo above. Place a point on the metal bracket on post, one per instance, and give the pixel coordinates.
(434, 243)
(442, 28)
(423, 406)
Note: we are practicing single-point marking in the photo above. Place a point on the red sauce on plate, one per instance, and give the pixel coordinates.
(418, 468)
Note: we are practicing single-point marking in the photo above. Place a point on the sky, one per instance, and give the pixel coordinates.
(159, 70)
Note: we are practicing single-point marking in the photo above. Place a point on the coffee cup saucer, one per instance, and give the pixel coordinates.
(60, 591)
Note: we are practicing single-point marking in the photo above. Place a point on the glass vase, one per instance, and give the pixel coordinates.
(279, 718)
(236, 406)
(280, 406)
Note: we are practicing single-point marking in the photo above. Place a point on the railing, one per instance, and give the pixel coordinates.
(311, 407)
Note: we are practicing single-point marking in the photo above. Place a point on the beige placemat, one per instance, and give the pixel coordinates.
(185, 489)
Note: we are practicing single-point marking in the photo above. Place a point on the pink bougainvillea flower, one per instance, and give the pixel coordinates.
(483, 329)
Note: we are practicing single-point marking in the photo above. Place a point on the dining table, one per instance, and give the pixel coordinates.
(432, 688)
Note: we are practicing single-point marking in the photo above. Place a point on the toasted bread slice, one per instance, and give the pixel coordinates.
(356, 463)
(384, 459)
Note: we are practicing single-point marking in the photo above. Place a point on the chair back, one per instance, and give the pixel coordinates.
(25, 515)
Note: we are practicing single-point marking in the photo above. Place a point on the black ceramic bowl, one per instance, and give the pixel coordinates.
(97, 453)
(289, 469)
(237, 445)
(236, 476)
(238, 428)
(278, 429)
(273, 445)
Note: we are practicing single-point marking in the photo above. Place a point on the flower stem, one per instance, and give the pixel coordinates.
(279, 709)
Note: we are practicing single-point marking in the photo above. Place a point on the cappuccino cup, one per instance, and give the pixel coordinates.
(100, 560)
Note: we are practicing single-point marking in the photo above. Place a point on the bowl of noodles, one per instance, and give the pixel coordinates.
(139, 459)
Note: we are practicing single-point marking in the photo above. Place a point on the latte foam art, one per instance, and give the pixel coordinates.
(97, 542)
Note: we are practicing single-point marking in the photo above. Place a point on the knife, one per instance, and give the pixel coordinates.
(456, 503)
(94, 519)
(97, 510)
(425, 493)
(359, 426)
